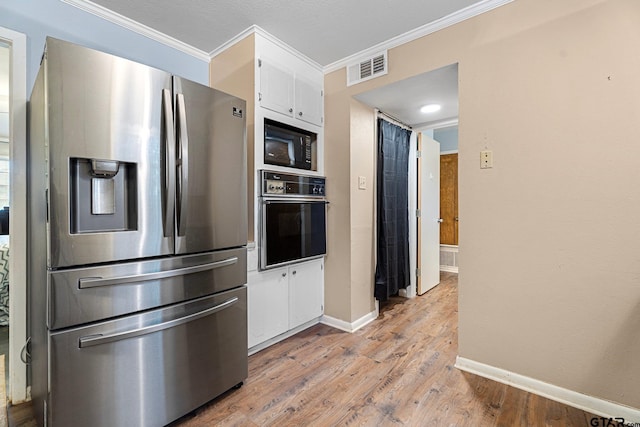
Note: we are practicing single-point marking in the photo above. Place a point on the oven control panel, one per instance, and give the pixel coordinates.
(282, 184)
(273, 186)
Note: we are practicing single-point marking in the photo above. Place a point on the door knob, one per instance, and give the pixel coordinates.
(457, 218)
(440, 220)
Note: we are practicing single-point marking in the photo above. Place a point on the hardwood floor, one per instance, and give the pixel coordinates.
(398, 370)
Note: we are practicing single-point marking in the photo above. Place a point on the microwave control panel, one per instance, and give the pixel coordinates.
(282, 184)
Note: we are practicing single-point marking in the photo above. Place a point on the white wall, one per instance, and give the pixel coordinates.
(41, 18)
(447, 137)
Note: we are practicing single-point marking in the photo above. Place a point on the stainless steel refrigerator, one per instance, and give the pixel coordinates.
(137, 232)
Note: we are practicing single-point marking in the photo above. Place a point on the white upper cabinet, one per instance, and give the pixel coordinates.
(276, 88)
(289, 93)
(309, 101)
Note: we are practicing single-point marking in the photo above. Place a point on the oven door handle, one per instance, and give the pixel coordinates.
(94, 282)
(98, 339)
(296, 201)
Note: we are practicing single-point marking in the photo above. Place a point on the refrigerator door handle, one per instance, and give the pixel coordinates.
(183, 164)
(93, 340)
(94, 282)
(169, 171)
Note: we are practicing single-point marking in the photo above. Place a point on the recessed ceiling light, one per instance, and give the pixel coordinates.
(431, 108)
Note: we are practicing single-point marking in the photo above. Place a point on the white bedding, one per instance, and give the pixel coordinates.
(4, 281)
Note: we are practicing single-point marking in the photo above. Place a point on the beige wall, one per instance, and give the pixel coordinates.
(337, 278)
(233, 71)
(362, 160)
(550, 237)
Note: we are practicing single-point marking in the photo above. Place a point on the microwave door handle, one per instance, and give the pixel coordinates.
(276, 139)
(169, 170)
(183, 165)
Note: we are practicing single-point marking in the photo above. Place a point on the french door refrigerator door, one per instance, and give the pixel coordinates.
(211, 186)
(148, 369)
(108, 165)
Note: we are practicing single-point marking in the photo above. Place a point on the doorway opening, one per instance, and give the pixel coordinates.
(5, 55)
(404, 100)
(13, 189)
(448, 139)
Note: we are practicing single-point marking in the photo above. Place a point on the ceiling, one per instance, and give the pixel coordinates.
(326, 31)
(403, 100)
(323, 30)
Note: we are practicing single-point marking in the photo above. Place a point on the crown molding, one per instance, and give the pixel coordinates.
(438, 124)
(273, 39)
(137, 27)
(255, 29)
(437, 25)
(232, 41)
(447, 21)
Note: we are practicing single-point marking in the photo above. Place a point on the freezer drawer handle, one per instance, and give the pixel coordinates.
(92, 340)
(94, 282)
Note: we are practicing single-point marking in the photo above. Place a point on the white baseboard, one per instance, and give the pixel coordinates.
(353, 326)
(587, 403)
(326, 320)
(449, 258)
(449, 268)
(258, 347)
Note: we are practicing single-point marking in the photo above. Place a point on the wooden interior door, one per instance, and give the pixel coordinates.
(449, 199)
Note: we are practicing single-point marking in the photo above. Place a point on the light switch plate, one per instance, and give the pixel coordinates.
(362, 183)
(486, 159)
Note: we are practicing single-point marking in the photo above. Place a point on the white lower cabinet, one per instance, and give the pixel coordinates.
(267, 305)
(282, 299)
(305, 292)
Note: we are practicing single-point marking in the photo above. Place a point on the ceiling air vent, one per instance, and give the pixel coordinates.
(366, 69)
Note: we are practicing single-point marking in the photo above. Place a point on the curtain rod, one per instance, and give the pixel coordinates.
(394, 120)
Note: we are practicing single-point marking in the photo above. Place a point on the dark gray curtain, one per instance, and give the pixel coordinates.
(392, 269)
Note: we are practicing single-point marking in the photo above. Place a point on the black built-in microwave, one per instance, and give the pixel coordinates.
(289, 146)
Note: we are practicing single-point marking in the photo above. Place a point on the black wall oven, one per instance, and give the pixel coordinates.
(292, 219)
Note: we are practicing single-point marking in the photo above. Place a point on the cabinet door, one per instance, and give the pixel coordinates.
(268, 308)
(306, 292)
(309, 102)
(276, 88)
